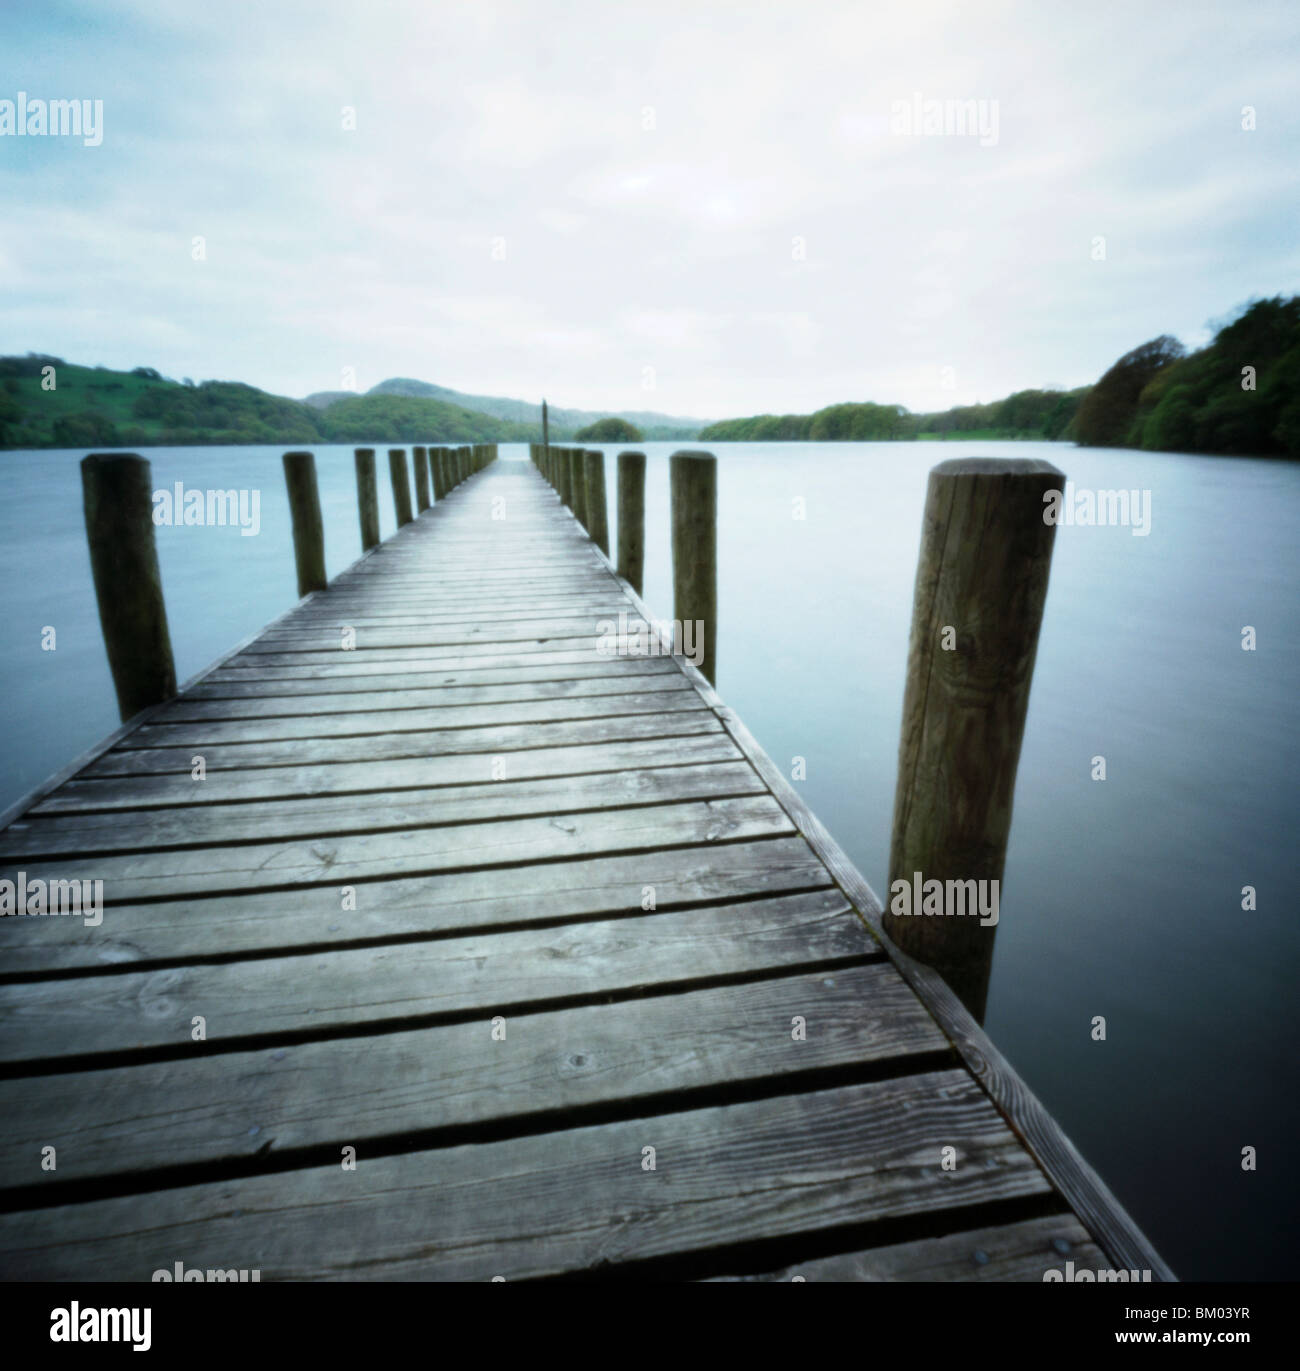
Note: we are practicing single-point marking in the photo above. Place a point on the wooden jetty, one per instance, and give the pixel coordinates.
(481, 951)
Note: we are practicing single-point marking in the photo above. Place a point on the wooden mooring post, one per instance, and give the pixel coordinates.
(401, 484)
(436, 474)
(631, 518)
(308, 529)
(564, 471)
(980, 587)
(578, 484)
(694, 492)
(117, 496)
(367, 497)
(420, 457)
(597, 506)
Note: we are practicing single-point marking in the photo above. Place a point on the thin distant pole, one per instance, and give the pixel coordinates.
(546, 432)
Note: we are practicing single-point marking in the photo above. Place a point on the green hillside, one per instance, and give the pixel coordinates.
(564, 423)
(95, 407)
(1239, 395)
(1026, 414)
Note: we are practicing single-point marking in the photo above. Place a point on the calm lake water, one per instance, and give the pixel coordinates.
(1120, 898)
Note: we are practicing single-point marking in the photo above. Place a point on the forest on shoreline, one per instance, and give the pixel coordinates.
(1238, 395)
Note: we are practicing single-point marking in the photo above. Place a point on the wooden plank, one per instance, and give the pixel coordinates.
(434, 671)
(244, 1104)
(344, 859)
(364, 778)
(584, 645)
(430, 743)
(83, 835)
(485, 974)
(233, 925)
(548, 1203)
(200, 733)
(335, 615)
(609, 674)
(249, 702)
(309, 638)
(1008, 1252)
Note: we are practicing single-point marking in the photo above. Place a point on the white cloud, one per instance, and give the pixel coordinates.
(633, 242)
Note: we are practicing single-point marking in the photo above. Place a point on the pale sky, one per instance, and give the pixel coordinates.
(695, 208)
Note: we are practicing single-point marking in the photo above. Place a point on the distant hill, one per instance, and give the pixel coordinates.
(563, 422)
(46, 402)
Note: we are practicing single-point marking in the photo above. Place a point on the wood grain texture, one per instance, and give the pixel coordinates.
(1009, 1252)
(172, 931)
(347, 858)
(551, 1203)
(51, 836)
(368, 777)
(1101, 1212)
(117, 493)
(1083, 1189)
(487, 973)
(981, 582)
(240, 1105)
(479, 814)
(136, 761)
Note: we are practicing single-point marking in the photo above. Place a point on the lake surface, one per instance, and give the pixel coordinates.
(1121, 897)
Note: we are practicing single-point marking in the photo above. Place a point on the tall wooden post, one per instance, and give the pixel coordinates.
(980, 587)
(694, 482)
(631, 518)
(435, 473)
(597, 507)
(578, 482)
(420, 458)
(308, 531)
(117, 496)
(401, 484)
(546, 436)
(367, 497)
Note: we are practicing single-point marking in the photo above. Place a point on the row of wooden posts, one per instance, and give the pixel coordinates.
(578, 476)
(117, 494)
(981, 585)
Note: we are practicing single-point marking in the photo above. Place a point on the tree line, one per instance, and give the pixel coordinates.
(1239, 395)
(47, 402)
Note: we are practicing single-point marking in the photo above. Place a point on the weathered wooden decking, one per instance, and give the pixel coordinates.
(500, 799)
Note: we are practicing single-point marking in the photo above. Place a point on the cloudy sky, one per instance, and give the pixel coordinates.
(699, 208)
